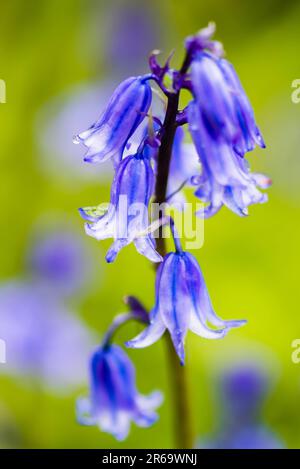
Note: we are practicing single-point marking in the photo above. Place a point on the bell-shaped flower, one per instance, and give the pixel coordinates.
(127, 108)
(225, 177)
(182, 303)
(114, 400)
(127, 218)
(243, 389)
(224, 106)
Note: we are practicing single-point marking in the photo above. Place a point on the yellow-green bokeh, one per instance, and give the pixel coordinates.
(250, 265)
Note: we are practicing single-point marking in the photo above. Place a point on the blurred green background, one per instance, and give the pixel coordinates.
(52, 50)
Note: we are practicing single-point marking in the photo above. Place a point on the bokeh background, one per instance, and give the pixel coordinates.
(60, 60)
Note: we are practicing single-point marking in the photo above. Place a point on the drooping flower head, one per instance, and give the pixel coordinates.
(126, 109)
(58, 259)
(114, 400)
(225, 177)
(126, 219)
(182, 303)
(223, 128)
(243, 391)
(223, 104)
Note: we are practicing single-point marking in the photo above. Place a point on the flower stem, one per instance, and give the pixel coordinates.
(137, 313)
(182, 413)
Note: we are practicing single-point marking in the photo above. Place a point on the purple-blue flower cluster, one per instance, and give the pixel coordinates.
(152, 161)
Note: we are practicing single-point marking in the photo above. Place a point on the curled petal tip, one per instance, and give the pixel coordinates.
(84, 215)
(234, 324)
(155, 52)
(129, 344)
(88, 159)
(208, 31)
(76, 139)
(113, 252)
(110, 257)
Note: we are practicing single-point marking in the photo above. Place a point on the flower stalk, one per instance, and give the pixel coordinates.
(182, 424)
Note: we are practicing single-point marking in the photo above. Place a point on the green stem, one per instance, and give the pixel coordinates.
(183, 427)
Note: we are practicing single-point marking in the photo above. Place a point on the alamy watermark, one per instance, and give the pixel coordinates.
(132, 220)
(2, 92)
(2, 351)
(295, 356)
(295, 96)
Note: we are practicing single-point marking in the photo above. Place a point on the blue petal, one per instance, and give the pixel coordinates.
(174, 301)
(202, 304)
(149, 335)
(214, 97)
(127, 108)
(146, 246)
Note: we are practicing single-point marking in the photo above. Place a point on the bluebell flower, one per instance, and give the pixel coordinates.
(45, 342)
(225, 176)
(254, 436)
(243, 388)
(59, 260)
(182, 303)
(114, 400)
(223, 104)
(126, 109)
(127, 218)
(131, 21)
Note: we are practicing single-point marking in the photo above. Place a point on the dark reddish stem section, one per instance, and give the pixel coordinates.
(183, 428)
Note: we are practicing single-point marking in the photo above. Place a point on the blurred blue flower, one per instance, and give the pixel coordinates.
(44, 341)
(126, 109)
(56, 123)
(59, 260)
(182, 303)
(243, 390)
(131, 20)
(225, 176)
(114, 400)
(126, 219)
